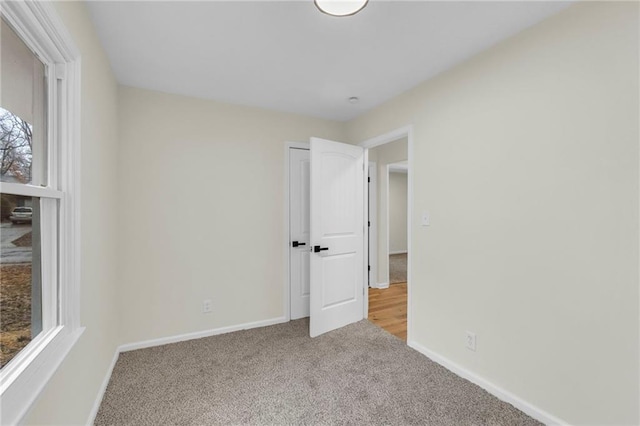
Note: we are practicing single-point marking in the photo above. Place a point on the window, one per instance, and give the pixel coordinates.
(22, 88)
(39, 229)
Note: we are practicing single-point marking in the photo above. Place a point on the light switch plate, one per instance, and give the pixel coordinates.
(426, 219)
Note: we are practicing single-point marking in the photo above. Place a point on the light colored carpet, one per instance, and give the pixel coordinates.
(397, 268)
(278, 375)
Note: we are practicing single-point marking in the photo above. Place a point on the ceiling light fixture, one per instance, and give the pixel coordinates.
(340, 7)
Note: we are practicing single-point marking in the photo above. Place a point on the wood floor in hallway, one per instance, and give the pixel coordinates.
(388, 309)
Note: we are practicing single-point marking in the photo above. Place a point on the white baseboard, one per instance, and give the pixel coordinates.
(500, 393)
(199, 334)
(380, 285)
(171, 339)
(103, 388)
(398, 252)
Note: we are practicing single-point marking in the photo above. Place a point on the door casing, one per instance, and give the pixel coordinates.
(372, 205)
(402, 132)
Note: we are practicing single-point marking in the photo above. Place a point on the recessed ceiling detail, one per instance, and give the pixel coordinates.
(286, 56)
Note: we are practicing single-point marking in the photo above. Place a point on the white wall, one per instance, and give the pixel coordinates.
(201, 202)
(397, 212)
(69, 396)
(383, 155)
(527, 158)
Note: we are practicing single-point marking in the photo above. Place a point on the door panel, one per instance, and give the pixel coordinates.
(337, 226)
(338, 271)
(299, 184)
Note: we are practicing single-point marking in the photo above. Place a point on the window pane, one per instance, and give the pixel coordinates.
(20, 274)
(23, 157)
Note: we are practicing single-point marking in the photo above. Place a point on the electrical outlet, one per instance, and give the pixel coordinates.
(206, 306)
(470, 341)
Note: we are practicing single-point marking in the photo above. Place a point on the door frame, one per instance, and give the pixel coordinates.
(373, 218)
(402, 132)
(400, 167)
(286, 237)
(373, 260)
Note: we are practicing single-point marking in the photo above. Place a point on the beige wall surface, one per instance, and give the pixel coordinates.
(383, 155)
(397, 212)
(201, 203)
(69, 396)
(526, 157)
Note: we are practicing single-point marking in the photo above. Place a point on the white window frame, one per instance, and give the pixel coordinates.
(21, 381)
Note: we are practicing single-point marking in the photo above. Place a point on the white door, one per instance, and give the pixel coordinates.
(337, 235)
(299, 168)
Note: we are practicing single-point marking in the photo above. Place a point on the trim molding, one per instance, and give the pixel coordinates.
(399, 167)
(103, 388)
(406, 131)
(391, 136)
(380, 285)
(199, 334)
(372, 244)
(15, 405)
(500, 393)
(398, 252)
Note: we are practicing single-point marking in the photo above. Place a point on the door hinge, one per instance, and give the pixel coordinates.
(369, 267)
(368, 179)
(369, 223)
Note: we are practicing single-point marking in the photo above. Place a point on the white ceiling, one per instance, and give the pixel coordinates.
(287, 56)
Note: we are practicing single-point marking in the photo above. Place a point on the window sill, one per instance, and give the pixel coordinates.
(21, 385)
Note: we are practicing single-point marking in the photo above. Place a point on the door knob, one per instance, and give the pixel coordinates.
(318, 249)
(296, 244)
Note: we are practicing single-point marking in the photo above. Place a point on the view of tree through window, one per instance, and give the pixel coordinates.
(17, 278)
(16, 136)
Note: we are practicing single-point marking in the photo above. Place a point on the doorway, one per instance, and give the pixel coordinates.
(397, 190)
(388, 236)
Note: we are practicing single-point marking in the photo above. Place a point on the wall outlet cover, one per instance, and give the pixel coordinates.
(470, 341)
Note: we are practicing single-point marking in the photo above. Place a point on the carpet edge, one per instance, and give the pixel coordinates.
(103, 388)
(199, 334)
(495, 390)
